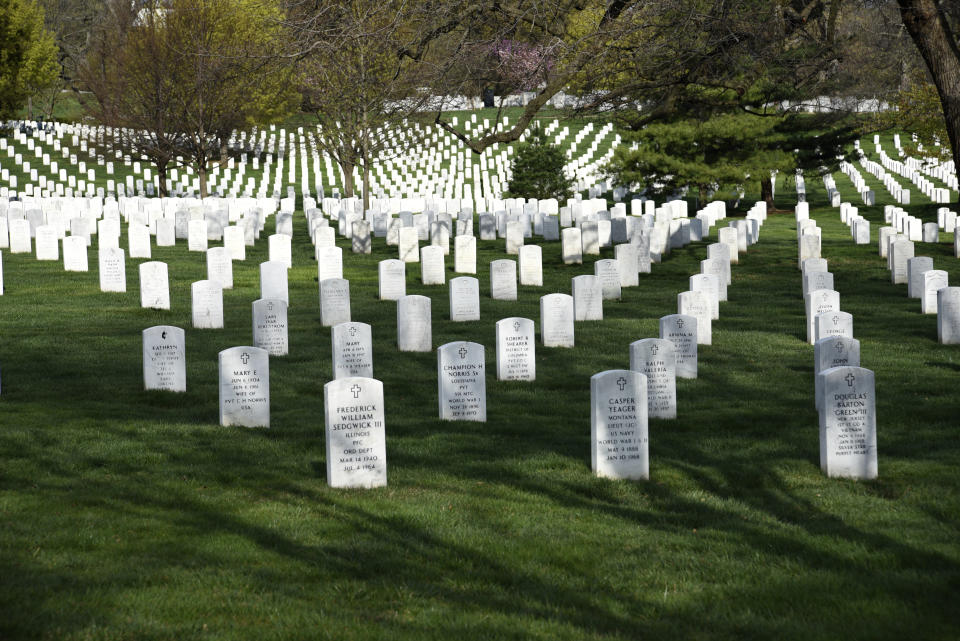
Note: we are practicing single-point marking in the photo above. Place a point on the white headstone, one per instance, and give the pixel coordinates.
(464, 299)
(556, 320)
(948, 316)
(834, 323)
(516, 359)
(154, 285)
(220, 266)
(197, 236)
(356, 441)
(571, 246)
(681, 330)
(587, 298)
(833, 351)
(933, 281)
(619, 443)
(656, 358)
(461, 382)
(393, 279)
(414, 328)
(408, 245)
(817, 302)
(113, 272)
(848, 423)
(270, 331)
(432, 270)
(531, 266)
(279, 249)
(207, 304)
(503, 279)
(75, 254)
(626, 256)
(334, 301)
(21, 241)
(164, 359)
(697, 304)
(352, 348)
(48, 243)
(607, 272)
(273, 281)
(465, 255)
(244, 386)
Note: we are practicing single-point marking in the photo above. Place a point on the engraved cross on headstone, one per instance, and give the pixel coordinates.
(654, 349)
(680, 323)
(270, 306)
(850, 378)
(245, 357)
(356, 389)
(516, 326)
(839, 347)
(836, 319)
(621, 383)
(353, 331)
(463, 352)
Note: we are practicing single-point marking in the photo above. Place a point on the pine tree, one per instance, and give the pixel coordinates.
(28, 54)
(537, 170)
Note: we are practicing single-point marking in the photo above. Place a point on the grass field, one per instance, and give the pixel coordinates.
(132, 515)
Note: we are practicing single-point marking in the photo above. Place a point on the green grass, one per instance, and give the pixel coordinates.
(132, 515)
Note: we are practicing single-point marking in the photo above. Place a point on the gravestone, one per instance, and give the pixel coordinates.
(813, 281)
(196, 236)
(220, 266)
(709, 286)
(681, 330)
(207, 304)
(571, 246)
(556, 320)
(728, 236)
(244, 387)
(440, 236)
(431, 265)
(587, 298)
(233, 241)
(848, 423)
(278, 246)
(717, 268)
(461, 381)
(393, 279)
(811, 265)
(334, 301)
(531, 266)
(626, 257)
(361, 242)
(75, 254)
(503, 279)
(833, 351)
(656, 358)
(270, 331)
(465, 255)
(809, 247)
(273, 281)
(48, 243)
(933, 281)
(721, 252)
(164, 359)
(329, 262)
(488, 227)
(590, 238)
(154, 285)
(352, 348)
(166, 233)
(835, 323)
(607, 272)
(697, 304)
(464, 299)
(113, 272)
(619, 445)
(816, 302)
(516, 359)
(414, 329)
(21, 242)
(948, 316)
(138, 239)
(514, 237)
(408, 245)
(900, 252)
(916, 267)
(355, 429)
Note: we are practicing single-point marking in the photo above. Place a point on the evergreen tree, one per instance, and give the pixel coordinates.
(537, 170)
(28, 54)
(727, 151)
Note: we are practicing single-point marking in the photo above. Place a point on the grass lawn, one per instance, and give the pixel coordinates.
(132, 515)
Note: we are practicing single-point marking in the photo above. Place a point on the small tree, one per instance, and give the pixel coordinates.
(727, 151)
(537, 170)
(28, 54)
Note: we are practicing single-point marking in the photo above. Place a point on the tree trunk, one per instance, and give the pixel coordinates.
(162, 177)
(938, 45)
(202, 175)
(347, 168)
(766, 193)
(224, 150)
